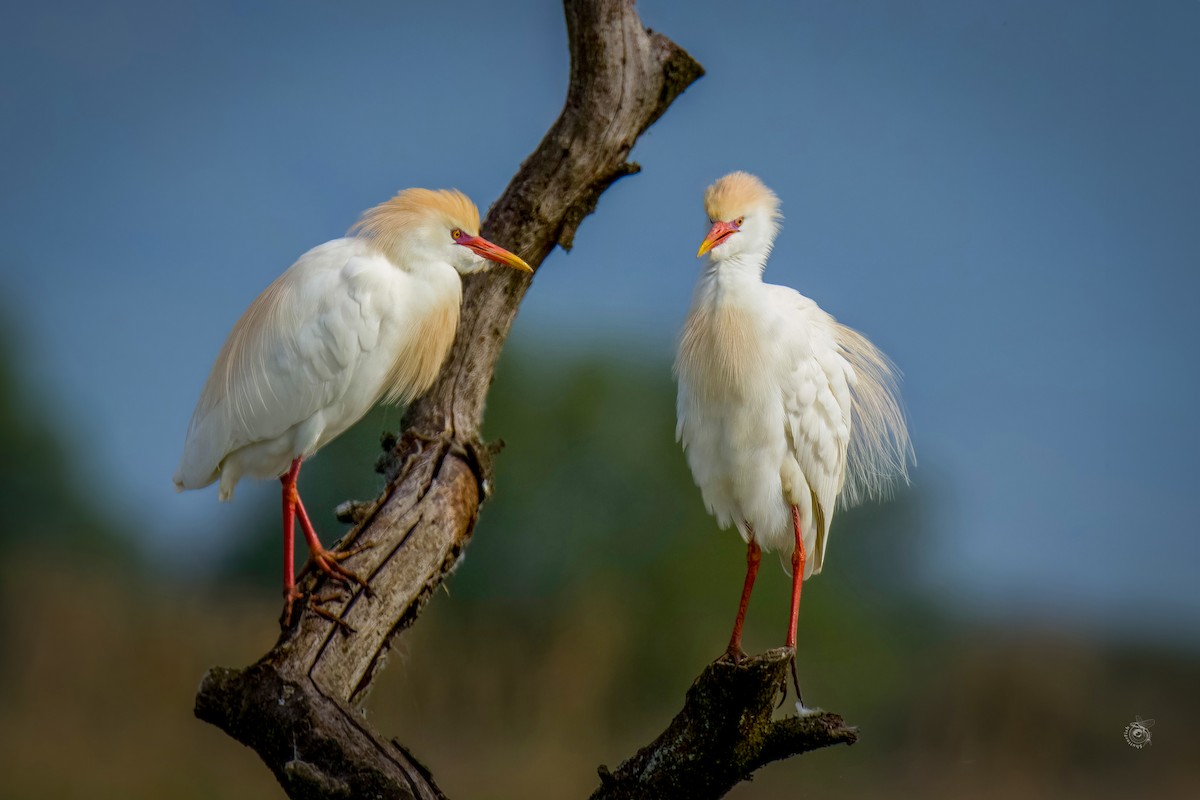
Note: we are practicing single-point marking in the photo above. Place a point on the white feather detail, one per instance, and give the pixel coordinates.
(338, 331)
(779, 405)
(880, 449)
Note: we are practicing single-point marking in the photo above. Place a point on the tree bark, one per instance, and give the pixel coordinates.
(723, 734)
(299, 706)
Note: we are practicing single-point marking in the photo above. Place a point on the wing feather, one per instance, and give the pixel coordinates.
(846, 427)
(816, 399)
(290, 355)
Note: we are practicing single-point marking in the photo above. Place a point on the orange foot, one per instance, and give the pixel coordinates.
(329, 562)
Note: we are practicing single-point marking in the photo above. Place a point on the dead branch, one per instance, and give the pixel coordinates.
(299, 707)
(722, 735)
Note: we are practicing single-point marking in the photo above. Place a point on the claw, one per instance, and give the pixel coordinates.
(329, 562)
(733, 655)
(314, 604)
(795, 682)
(290, 595)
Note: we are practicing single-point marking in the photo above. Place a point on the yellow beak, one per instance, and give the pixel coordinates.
(719, 232)
(494, 253)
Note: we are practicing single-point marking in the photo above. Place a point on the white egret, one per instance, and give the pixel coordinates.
(782, 411)
(357, 320)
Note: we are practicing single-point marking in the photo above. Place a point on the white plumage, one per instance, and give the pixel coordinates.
(311, 356)
(368, 317)
(780, 407)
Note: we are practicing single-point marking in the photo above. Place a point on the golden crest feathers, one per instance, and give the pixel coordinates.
(394, 218)
(735, 194)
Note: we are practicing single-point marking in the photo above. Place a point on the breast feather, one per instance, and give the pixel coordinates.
(422, 352)
(719, 352)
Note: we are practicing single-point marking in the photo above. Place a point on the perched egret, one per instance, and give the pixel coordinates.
(357, 320)
(782, 412)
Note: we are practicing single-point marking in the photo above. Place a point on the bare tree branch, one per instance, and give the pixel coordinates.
(722, 735)
(299, 706)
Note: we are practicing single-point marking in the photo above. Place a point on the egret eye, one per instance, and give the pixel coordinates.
(739, 221)
(456, 234)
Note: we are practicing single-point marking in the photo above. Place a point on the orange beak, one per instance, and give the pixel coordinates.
(719, 232)
(493, 252)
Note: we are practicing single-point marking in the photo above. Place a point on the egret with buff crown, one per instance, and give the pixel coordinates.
(783, 413)
(357, 320)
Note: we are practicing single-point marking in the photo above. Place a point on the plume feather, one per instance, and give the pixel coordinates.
(880, 450)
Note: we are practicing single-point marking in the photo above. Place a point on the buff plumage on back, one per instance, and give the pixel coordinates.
(734, 194)
(388, 223)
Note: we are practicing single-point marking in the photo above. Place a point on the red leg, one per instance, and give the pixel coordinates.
(798, 559)
(318, 556)
(753, 556)
(324, 560)
(290, 498)
(315, 548)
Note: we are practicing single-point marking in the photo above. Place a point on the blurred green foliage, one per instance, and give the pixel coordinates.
(43, 495)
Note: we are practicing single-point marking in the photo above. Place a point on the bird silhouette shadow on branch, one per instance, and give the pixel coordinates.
(300, 706)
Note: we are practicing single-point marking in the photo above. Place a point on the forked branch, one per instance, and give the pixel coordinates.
(298, 706)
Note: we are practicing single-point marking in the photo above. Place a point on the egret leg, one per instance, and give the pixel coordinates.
(799, 557)
(319, 557)
(753, 555)
(290, 593)
(326, 561)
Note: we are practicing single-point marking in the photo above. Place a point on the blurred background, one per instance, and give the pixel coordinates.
(1004, 197)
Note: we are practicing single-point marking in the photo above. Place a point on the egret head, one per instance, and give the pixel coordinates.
(744, 215)
(422, 225)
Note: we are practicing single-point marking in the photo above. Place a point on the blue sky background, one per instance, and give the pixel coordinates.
(1005, 197)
